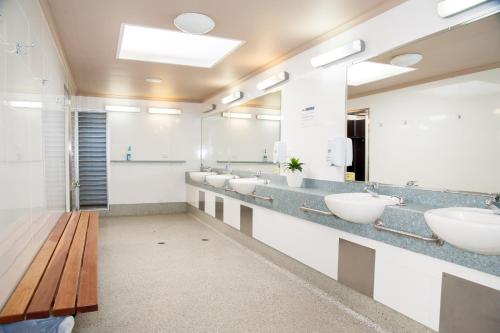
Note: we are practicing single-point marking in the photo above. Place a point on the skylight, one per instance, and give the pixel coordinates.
(367, 71)
(173, 47)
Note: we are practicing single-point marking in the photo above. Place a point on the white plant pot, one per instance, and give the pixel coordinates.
(294, 179)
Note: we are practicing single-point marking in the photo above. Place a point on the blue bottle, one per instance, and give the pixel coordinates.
(129, 153)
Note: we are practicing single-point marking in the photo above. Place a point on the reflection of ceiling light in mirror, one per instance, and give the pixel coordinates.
(232, 97)
(153, 80)
(236, 115)
(367, 71)
(438, 117)
(497, 111)
(272, 81)
(355, 117)
(448, 8)
(194, 23)
(121, 108)
(338, 53)
(164, 111)
(209, 108)
(26, 104)
(268, 117)
(172, 47)
(407, 59)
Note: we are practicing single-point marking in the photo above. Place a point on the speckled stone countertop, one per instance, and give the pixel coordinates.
(409, 218)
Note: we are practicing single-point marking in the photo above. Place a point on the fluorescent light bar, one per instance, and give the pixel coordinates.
(272, 81)
(236, 115)
(210, 108)
(449, 8)
(173, 47)
(341, 52)
(164, 111)
(121, 108)
(232, 97)
(153, 80)
(268, 117)
(367, 71)
(26, 104)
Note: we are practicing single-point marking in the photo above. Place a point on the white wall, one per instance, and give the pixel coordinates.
(239, 140)
(325, 87)
(32, 141)
(152, 137)
(452, 129)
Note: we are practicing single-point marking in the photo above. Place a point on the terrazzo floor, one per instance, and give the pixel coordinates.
(173, 273)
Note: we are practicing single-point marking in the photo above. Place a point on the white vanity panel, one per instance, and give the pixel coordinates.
(192, 195)
(232, 212)
(210, 203)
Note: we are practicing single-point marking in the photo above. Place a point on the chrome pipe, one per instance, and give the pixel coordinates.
(269, 198)
(379, 225)
(229, 189)
(317, 211)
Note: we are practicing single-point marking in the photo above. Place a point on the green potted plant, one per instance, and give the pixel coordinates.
(294, 176)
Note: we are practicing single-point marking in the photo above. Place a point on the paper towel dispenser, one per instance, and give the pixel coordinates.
(339, 152)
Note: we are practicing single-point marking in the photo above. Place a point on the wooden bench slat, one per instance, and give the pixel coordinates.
(15, 307)
(65, 302)
(44, 295)
(87, 292)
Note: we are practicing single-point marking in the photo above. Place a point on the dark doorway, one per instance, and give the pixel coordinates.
(356, 130)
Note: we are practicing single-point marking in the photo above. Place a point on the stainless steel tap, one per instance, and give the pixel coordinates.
(494, 205)
(371, 188)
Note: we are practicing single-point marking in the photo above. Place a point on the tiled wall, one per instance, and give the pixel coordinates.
(32, 140)
(413, 284)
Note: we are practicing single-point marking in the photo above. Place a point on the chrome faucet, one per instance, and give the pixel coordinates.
(227, 168)
(259, 174)
(401, 200)
(494, 205)
(371, 188)
(411, 183)
(205, 169)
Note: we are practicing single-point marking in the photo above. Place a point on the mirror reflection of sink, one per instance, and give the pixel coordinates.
(472, 229)
(361, 208)
(199, 176)
(245, 185)
(219, 180)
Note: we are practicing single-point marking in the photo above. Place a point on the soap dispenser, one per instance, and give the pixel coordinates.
(129, 153)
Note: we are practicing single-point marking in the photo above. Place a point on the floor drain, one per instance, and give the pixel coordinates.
(160, 243)
(204, 239)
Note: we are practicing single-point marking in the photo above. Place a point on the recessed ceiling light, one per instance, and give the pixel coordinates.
(367, 71)
(236, 115)
(173, 47)
(153, 80)
(164, 111)
(194, 23)
(407, 59)
(121, 108)
(26, 104)
(232, 97)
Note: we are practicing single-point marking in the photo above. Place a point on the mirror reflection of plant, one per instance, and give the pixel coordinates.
(294, 164)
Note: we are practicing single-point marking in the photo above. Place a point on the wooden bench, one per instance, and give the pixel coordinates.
(62, 278)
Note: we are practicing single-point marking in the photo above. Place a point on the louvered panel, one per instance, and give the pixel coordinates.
(92, 160)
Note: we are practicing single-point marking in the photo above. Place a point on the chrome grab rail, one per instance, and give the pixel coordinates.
(317, 211)
(379, 225)
(269, 198)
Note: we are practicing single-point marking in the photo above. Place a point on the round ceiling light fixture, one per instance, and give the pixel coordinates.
(407, 59)
(194, 23)
(153, 80)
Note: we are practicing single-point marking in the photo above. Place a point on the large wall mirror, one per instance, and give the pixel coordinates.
(428, 113)
(242, 138)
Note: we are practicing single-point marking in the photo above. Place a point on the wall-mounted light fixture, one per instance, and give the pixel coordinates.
(121, 108)
(236, 115)
(164, 111)
(210, 107)
(273, 80)
(25, 104)
(268, 117)
(449, 8)
(232, 97)
(341, 52)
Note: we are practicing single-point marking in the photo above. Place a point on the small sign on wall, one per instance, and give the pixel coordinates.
(308, 116)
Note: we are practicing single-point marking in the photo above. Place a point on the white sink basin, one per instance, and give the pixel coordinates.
(472, 229)
(245, 185)
(358, 207)
(199, 176)
(219, 180)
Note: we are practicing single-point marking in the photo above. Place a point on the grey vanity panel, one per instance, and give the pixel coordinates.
(409, 218)
(219, 208)
(201, 200)
(356, 267)
(246, 220)
(468, 307)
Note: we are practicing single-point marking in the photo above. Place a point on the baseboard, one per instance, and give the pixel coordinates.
(384, 316)
(145, 209)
